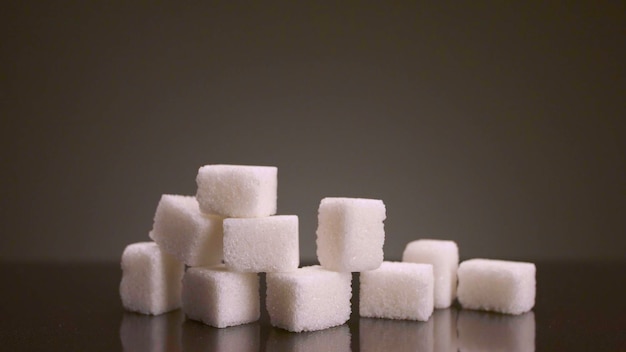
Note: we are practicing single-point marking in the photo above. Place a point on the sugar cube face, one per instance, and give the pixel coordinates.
(350, 234)
(150, 279)
(497, 285)
(308, 299)
(147, 333)
(333, 339)
(182, 230)
(219, 297)
(395, 335)
(199, 337)
(397, 291)
(237, 191)
(481, 331)
(444, 257)
(262, 244)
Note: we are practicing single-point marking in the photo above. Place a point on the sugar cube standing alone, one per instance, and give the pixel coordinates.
(397, 291)
(237, 191)
(497, 285)
(350, 234)
(308, 299)
(181, 230)
(262, 244)
(219, 297)
(150, 279)
(444, 257)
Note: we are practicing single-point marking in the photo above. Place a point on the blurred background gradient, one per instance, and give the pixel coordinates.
(500, 126)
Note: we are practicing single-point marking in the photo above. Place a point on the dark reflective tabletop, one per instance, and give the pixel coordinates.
(76, 307)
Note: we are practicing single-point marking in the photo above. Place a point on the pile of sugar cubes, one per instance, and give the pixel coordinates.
(209, 249)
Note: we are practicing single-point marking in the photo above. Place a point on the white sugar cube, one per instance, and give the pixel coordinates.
(150, 279)
(350, 234)
(262, 244)
(241, 338)
(481, 331)
(219, 297)
(237, 191)
(497, 285)
(444, 257)
(182, 230)
(395, 335)
(308, 299)
(397, 291)
(147, 333)
(334, 339)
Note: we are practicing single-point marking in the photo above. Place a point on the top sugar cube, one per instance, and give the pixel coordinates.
(350, 234)
(237, 191)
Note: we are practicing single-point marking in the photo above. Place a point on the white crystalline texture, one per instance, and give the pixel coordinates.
(182, 230)
(350, 234)
(150, 279)
(397, 291)
(237, 191)
(444, 257)
(308, 299)
(497, 285)
(262, 244)
(219, 297)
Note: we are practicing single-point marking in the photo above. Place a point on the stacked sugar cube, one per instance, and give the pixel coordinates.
(229, 232)
(225, 236)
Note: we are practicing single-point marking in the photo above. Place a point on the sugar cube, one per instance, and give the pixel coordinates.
(395, 335)
(237, 191)
(241, 338)
(150, 279)
(444, 257)
(267, 244)
(497, 285)
(397, 291)
(332, 339)
(147, 333)
(308, 299)
(219, 297)
(350, 234)
(181, 230)
(482, 331)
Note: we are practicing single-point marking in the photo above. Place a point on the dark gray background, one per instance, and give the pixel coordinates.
(498, 126)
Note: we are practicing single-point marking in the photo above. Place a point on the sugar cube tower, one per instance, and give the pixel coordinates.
(229, 232)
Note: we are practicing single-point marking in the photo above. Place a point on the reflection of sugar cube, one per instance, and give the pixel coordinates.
(395, 335)
(333, 339)
(241, 338)
(482, 331)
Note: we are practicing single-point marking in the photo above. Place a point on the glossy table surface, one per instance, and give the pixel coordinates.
(76, 307)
